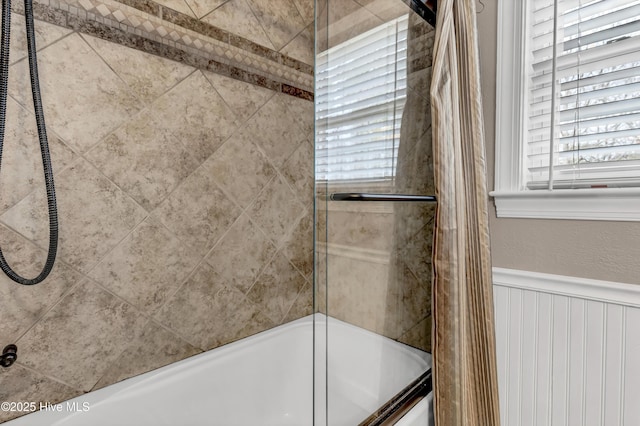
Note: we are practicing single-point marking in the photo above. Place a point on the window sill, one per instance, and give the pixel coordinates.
(613, 204)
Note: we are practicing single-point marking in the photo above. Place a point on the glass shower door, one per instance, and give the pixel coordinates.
(373, 250)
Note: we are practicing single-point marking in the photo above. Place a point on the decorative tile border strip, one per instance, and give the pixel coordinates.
(203, 46)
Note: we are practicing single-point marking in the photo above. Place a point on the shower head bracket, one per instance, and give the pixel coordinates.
(9, 356)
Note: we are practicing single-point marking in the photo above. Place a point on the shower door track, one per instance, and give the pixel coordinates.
(401, 403)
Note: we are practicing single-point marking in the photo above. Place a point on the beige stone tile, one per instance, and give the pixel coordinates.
(21, 171)
(198, 212)
(241, 254)
(147, 267)
(408, 300)
(155, 348)
(419, 336)
(366, 230)
(203, 7)
(306, 9)
(208, 314)
(416, 247)
(148, 76)
(280, 20)
(357, 292)
(342, 21)
(301, 47)
(257, 324)
(320, 278)
(19, 384)
(303, 304)
(303, 114)
(143, 159)
(240, 168)
(179, 5)
(298, 247)
(196, 115)
(46, 34)
(276, 210)
(298, 170)
(84, 100)
(22, 305)
(386, 10)
(276, 288)
(78, 340)
(243, 98)
(236, 17)
(275, 130)
(94, 215)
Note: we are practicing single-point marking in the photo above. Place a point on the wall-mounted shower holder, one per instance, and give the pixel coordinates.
(9, 356)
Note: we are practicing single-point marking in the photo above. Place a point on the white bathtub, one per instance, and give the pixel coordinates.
(266, 379)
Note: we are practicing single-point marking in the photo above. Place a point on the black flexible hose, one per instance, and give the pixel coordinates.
(42, 133)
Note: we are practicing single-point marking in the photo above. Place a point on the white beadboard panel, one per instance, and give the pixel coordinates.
(576, 360)
(631, 391)
(501, 298)
(613, 364)
(529, 335)
(559, 361)
(594, 363)
(568, 350)
(514, 367)
(542, 413)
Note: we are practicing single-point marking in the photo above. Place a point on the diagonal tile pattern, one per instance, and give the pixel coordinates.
(94, 216)
(80, 117)
(147, 267)
(22, 306)
(148, 76)
(227, 312)
(237, 17)
(184, 218)
(279, 18)
(198, 212)
(200, 123)
(203, 7)
(144, 159)
(240, 168)
(241, 254)
(66, 334)
(20, 384)
(22, 171)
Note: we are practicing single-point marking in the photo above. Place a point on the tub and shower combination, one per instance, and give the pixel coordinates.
(369, 267)
(267, 379)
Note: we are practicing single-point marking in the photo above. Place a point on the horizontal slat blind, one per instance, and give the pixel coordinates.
(360, 96)
(596, 133)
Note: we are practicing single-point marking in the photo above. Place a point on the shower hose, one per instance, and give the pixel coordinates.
(42, 133)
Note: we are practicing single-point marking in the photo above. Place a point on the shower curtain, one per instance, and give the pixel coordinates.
(465, 378)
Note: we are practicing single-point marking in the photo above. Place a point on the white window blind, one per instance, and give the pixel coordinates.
(360, 96)
(594, 92)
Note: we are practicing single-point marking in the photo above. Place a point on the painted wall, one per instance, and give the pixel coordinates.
(592, 249)
(185, 195)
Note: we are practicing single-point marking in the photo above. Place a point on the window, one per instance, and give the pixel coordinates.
(361, 92)
(568, 113)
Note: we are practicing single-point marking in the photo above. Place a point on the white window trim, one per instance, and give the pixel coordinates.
(511, 199)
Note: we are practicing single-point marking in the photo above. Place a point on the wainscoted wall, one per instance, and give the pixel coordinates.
(185, 200)
(568, 350)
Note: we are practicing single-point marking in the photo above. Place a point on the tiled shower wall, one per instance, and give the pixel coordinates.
(184, 181)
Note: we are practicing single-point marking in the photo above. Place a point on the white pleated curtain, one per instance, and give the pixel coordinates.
(465, 375)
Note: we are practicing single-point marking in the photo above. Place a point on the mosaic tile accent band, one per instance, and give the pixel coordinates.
(153, 28)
